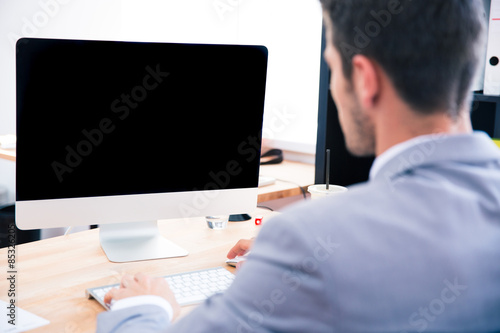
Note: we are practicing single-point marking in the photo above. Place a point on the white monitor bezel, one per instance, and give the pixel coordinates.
(53, 213)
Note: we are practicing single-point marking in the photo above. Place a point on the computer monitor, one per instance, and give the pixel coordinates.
(121, 134)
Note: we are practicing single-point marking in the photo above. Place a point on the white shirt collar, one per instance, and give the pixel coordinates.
(395, 150)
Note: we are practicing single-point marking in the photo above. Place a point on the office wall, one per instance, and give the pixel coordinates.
(479, 81)
(43, 18)
(291, 29)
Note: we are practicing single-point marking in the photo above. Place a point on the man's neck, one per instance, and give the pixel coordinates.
(405, 124)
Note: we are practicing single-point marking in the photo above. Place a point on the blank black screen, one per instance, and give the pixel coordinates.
(99, 118)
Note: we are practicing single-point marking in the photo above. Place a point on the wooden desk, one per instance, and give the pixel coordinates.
(54, 273)
(291, 176)
(8, 154)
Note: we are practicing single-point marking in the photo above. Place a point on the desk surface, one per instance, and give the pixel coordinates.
(8, 154)
(290, 178)
(54, 273)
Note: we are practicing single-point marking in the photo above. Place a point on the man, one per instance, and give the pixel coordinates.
(414, 249)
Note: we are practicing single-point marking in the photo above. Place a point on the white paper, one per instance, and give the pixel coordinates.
(23, 320)
(492, 73)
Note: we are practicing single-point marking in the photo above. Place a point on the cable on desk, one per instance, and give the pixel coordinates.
(303, 190)
(265, 207)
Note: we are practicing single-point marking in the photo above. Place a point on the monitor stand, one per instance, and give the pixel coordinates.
(124, 242)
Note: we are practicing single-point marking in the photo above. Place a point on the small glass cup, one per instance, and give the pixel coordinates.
(218, 222)
(320, 191)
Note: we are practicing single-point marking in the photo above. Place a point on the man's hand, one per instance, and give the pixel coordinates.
(141, 284)
(240, 249)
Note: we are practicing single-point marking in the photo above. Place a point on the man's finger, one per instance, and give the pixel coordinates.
(110, 296)
(126, 281)
(141, 277)
(241, 247)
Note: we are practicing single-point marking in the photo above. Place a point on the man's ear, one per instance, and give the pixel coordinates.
(365, 80)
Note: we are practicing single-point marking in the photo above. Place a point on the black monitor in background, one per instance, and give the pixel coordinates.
(122, 132)
(345, 168)
(485, 114)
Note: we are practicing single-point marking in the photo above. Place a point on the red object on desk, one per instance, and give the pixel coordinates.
(258, 220)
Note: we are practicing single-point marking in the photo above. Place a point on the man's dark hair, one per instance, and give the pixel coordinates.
(430, 49)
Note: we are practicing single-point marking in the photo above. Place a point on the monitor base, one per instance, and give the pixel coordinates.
(125, 242)
(239, 217)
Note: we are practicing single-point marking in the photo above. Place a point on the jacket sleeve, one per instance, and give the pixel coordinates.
(146, 318)
(279, 289)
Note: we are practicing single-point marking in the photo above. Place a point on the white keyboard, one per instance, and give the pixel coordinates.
(189, 288)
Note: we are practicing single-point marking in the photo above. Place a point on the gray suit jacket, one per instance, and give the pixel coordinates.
(417, 248)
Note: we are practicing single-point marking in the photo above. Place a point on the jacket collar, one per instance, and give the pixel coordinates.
(463, 148)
